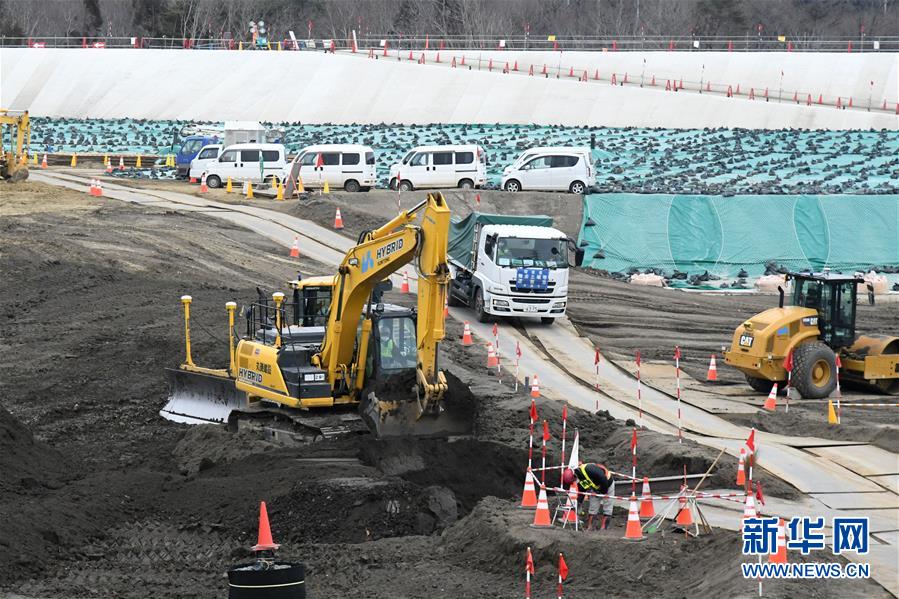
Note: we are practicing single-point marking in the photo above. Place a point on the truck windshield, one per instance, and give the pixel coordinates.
(191, 146)
(545, 253)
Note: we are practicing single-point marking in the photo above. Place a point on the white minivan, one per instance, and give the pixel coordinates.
(206, 156)
(462, 166)
(347, 166)
(247, 162)
(551, 169)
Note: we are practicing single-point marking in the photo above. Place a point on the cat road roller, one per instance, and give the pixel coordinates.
(814, 330)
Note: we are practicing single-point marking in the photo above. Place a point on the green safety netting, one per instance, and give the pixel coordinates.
(627, 159)
(722, 235)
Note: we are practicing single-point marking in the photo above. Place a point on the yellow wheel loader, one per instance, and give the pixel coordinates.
(15, 136)
(336, 345)
(816, 328)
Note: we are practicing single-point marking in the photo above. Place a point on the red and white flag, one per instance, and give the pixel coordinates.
(319, 161)
(750, 442)
(533, 411)
(546, 435)
(563, 573)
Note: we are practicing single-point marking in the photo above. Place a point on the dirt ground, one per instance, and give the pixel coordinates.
(100, 497)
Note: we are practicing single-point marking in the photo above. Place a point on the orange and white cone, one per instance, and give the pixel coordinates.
(99, 192)
(535, 387)
(541, 516)
(121, 163)
(295, 248)
(684, 514)
(634, 531)
(647, 508)
(44, 162)
(93, 187)
(771, 402)
(749, 507)
(203, 187)
(446, 306)
(741, 468)
(571, 516)
(404, 288)
(108, 167)
(713, 370)
(338, 220)
(529, 494)
(780, 555)
(492, 360)
(466, 335)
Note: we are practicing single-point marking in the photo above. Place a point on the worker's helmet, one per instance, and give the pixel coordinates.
(568, 477)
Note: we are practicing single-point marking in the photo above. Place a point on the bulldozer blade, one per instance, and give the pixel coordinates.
(405, 419)
(197, 398)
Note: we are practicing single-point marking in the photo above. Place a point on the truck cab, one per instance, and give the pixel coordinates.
(512, 269)
(190, 148)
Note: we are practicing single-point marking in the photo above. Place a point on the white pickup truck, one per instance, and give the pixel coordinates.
(510, 266)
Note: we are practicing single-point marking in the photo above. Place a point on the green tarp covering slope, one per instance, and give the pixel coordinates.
(462, 231)
(695, 233)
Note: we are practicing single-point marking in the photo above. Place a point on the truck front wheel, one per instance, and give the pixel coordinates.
(478, 306)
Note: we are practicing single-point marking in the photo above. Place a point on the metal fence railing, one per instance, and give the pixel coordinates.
(607, 43)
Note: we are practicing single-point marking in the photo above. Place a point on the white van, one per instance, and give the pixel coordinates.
(347, 166)
(462, 166)
(247, 162)
(206, 156)
(551, 169)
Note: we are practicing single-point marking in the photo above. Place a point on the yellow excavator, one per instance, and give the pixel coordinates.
(15, 136)
(337, 345)
(815, 329)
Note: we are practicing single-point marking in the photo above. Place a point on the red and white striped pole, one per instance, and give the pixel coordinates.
(596, 366)
(531, 434)
(564, 428)
(639, 397)
(680, 436)
(545, 439)
(499, 368)
(634, 461)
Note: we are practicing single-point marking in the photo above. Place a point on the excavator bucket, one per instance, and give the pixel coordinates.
(392, 409)
(198, 398)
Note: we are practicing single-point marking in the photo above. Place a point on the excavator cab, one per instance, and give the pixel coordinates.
(15, 135)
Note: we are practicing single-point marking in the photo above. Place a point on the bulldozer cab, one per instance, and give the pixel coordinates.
(833, 296)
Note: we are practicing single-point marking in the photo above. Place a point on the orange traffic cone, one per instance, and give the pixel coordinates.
(684, 514)
(466, 335)
(633, 531)
(121, 163)
(108, 167)
(780, 556)
(741, 468)
(192, 180)
(572, 504)
(529, 494)
(203, 187)
(44, 162)
(99, 193)
(295, 248)
(404, 288)
(93, 187)
(713, 370)
(535, 387)
(771, 402)
(446, 306)
(749, 507)
(264, 540)
(338, 220)
(541, 516)
(492, 360)
(647, 508)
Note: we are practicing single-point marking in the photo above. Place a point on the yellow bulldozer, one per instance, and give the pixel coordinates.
(817, 328)
(15, 136)
(307, 363)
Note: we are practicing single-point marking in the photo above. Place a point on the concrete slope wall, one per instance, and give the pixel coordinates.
(317, 87)
(831, 74)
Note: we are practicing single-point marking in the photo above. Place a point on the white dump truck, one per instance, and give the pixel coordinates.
(510, 266)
